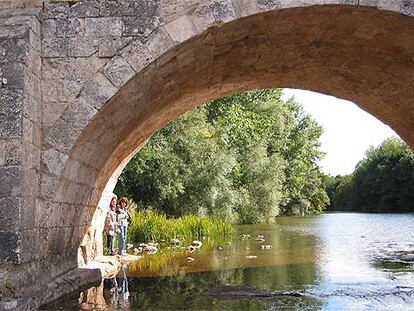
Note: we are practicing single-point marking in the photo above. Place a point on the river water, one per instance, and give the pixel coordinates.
(338, 261)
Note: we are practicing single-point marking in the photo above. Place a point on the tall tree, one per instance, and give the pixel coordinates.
(247, 158)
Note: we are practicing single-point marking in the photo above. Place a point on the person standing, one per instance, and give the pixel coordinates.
(123, 219)
(111, 225)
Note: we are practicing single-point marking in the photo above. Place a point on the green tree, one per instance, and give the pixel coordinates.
(246, 158)
(382, 182)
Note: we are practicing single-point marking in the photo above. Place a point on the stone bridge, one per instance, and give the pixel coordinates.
(83, 85)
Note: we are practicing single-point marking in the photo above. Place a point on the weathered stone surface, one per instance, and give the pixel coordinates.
(245, 7)
(49, 28)
(53, 161)
(13, 153)
(110, 46)
(10, 177)
(9, 248)
(223, 10)
(142, 18)
(137, 55)
(13, 50)
(10, 113)
(69, 27)
(99, 90)
(407, 7)
(265, 5)
(55, 47)
(181, 29)
(159, 43)
(114, 72)
(52, 112)
(2, 152)
(104, 26)
(118, 71)
(10, 213)
(48, 187)
(82, 9)
(56, 10)
(82, 47)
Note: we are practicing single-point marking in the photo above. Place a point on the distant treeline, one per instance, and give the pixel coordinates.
(382, 182)
(244, 158)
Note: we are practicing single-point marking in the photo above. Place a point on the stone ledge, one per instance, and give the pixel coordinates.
(39, 294)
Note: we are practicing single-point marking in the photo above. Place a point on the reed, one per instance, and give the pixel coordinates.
(150, 226)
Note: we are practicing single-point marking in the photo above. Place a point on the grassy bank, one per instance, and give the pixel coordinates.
(150, 226)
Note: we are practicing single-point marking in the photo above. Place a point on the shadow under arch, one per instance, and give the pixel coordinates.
(360, 54)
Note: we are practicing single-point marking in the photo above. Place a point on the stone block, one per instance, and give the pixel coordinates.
(269, 5)
(72, 88)
(140, 26)
(202, 17)
(11, 181)
(99, 90)
(28, 213)
(69, 27)
(118, 71)
(2, 152)
(181, 29)
(87, 8)
(79, 113)
(55, 47)
(35, 42)
(31, 156)
(137, 55)
(10, 113)
(42, 212)
(48, 185)
(13, 76)
(30, 242)
(13, 153)
(49, 28)
(159, 43)
(52, 112)
(62, 135)
(53, 161)
(407, 7)
(30, 183)
(82, 46)
(10, 208)
(14, 31)
(109, 46)
(103, 26)
(13, 50)
(349, 2)
(9, 246)
(245, 7)
(55, 10)
(223, 10)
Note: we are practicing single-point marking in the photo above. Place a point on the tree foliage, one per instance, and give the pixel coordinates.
(382, 182)
(246, 158)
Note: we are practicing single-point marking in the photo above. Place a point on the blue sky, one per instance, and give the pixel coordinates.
(348, 130)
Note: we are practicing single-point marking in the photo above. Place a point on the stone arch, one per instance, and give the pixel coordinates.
(352, 52)
(114, 72)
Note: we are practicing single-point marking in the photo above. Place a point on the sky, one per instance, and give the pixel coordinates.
(348, 130)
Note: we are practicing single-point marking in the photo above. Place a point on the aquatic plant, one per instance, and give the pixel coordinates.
(150, 226)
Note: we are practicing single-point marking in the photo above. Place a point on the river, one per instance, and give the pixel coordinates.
(338, 261)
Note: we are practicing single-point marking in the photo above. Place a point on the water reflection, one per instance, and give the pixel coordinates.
(331, 260)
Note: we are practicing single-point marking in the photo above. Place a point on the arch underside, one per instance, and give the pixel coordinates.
(355, 53)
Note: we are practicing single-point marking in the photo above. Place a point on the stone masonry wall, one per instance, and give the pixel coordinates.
(83, 85)
(20, 143)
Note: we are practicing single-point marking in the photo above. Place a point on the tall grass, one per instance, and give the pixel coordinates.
(150, 226)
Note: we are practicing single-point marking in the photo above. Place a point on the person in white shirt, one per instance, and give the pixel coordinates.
(111, 225)
(123, 220)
